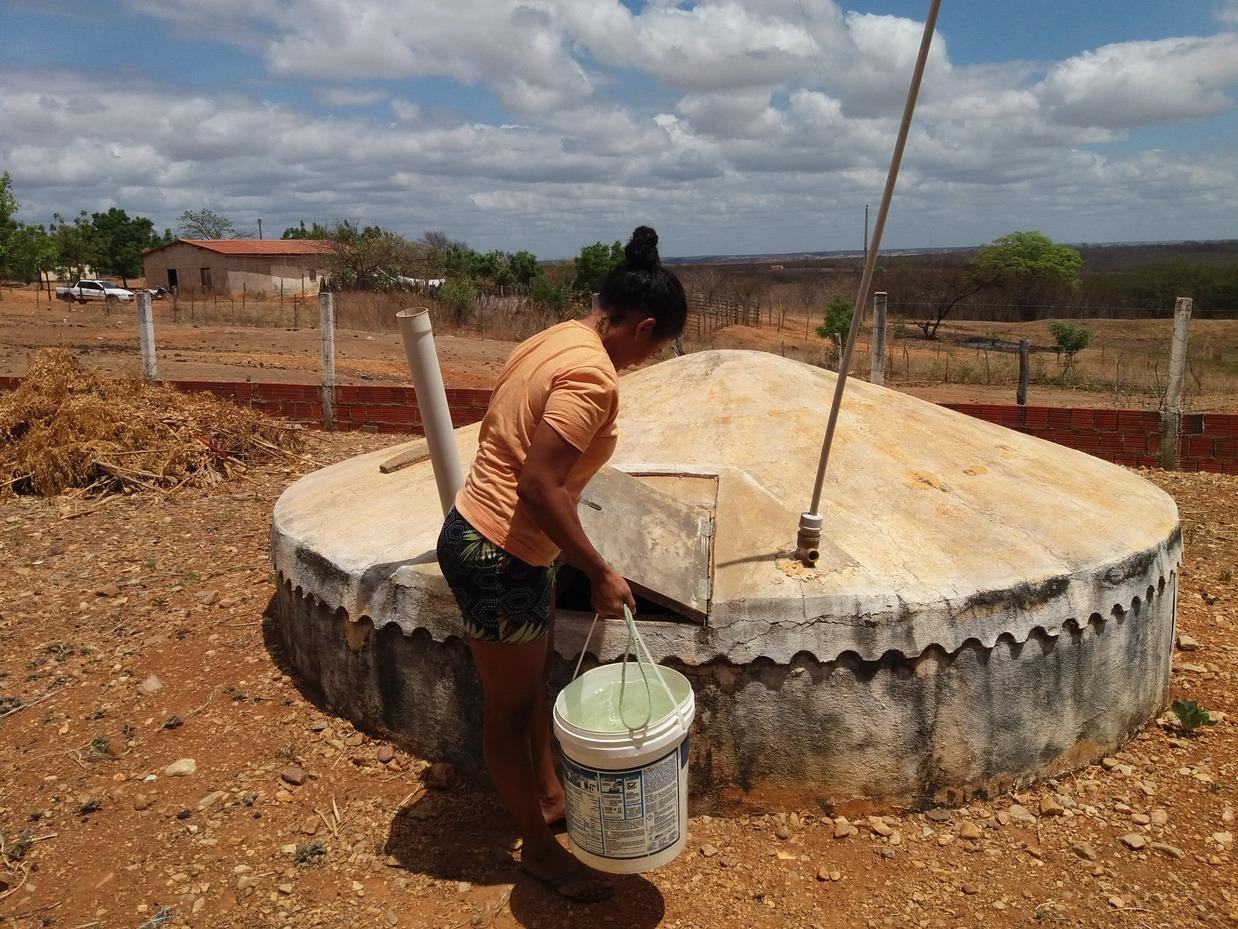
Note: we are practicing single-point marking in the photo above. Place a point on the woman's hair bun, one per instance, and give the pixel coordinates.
(641, 251)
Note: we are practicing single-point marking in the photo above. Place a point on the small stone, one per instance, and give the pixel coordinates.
(1021, 814)
(1186, 643)
(141, 802)
(1084, 851)
(1158, 817)
(938, 815)
(708, 850)
(207, 597)
(1223, 839)
(1003, 818)
(1169, 851)
(836, 876)
(1109, 764)
(969, 830)
(1050, 807)
(878, 825)
(1117, 902)
(391, 918)
(887, 854)
(1134, 841)
(385, 754)
(183, 767)
(843, 828)
(784, 855)
(310, 826)
(823, 873)
(1141, 819)
(211, 799)
(319, 725)
(999, 905)
(293, 774)
(970, 889)
(440, 776)
(152, 685)
(285, 889)
(782, 832)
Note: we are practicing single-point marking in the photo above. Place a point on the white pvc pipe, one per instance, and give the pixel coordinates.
(432, 402)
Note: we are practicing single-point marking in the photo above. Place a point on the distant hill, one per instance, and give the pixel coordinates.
(1097, 256)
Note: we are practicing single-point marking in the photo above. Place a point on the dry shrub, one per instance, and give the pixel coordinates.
(66, 428)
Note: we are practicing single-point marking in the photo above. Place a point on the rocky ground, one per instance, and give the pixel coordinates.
(158, 766)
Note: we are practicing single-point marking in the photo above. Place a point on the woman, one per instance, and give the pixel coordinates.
(550, 426)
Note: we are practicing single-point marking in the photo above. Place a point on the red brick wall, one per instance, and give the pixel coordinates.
(383, 409)
(1209, 441)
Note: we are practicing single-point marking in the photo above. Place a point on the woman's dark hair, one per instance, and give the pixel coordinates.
(639, 284)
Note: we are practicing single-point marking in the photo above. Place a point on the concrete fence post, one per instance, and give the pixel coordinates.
(877, 370)
(326, 327)
(1025, 371)
(146, 339)
(1171, 412)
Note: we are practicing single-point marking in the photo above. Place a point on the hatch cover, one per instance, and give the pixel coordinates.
(662, 545)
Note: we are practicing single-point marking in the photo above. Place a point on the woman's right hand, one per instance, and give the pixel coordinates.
(609, 592)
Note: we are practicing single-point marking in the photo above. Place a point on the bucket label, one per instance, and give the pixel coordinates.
(624, 814)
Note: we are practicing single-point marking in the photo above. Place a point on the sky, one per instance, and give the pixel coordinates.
(753, 127)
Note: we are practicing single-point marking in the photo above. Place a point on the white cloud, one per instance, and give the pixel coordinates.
(755, 124)
(1137, 83)
(1227, 12)
(350, 96)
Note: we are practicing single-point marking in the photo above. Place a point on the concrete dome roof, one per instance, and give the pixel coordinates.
(939, 528)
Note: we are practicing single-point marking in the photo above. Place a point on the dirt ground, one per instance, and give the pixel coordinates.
(1124, 369)
(134, 635)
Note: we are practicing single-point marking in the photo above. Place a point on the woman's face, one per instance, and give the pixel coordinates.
(634, 342)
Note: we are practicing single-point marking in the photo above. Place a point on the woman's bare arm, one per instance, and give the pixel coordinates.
(543, 488)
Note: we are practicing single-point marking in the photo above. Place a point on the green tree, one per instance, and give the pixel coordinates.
(9, 208)
(459, 293)
(1028, 258)
(1070, 339)
(523, 267)
(593, 264)
(315, 231)
(549, 294)
(837, 323)
(370, 258)
(485, 266)
(206, 224)
(76, 251)
(120, 241)
(31, 252)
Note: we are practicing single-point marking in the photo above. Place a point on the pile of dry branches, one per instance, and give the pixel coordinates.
(66, 429)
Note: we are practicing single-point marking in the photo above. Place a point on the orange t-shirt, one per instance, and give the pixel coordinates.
(563, 376)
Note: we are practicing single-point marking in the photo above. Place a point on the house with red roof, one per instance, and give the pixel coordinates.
(262, 267)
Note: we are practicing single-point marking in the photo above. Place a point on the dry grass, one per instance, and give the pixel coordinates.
(65, 428)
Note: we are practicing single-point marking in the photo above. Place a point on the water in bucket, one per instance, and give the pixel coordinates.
(624, 732)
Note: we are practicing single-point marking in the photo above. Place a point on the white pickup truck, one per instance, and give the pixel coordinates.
(94, 290)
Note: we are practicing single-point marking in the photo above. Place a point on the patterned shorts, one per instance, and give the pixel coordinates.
(502, 598)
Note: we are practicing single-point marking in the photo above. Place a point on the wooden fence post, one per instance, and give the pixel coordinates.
(877, 369)
(1025, 373)
(326, 327)
(146, 339)
(1171, 413)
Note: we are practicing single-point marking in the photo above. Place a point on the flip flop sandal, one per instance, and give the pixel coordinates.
(561, 883)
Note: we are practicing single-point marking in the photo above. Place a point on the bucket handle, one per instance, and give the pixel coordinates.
(634, 636)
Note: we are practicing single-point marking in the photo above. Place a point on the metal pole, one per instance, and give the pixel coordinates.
(146, 338)
(423, 365)
(1171, 415)
(326, 328)
(877, 368)
(810, 522)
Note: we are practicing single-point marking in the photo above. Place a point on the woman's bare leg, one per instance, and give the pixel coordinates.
(513, 680)
(549, 790)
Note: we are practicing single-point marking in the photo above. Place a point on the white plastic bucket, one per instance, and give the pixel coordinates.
(626, 790)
